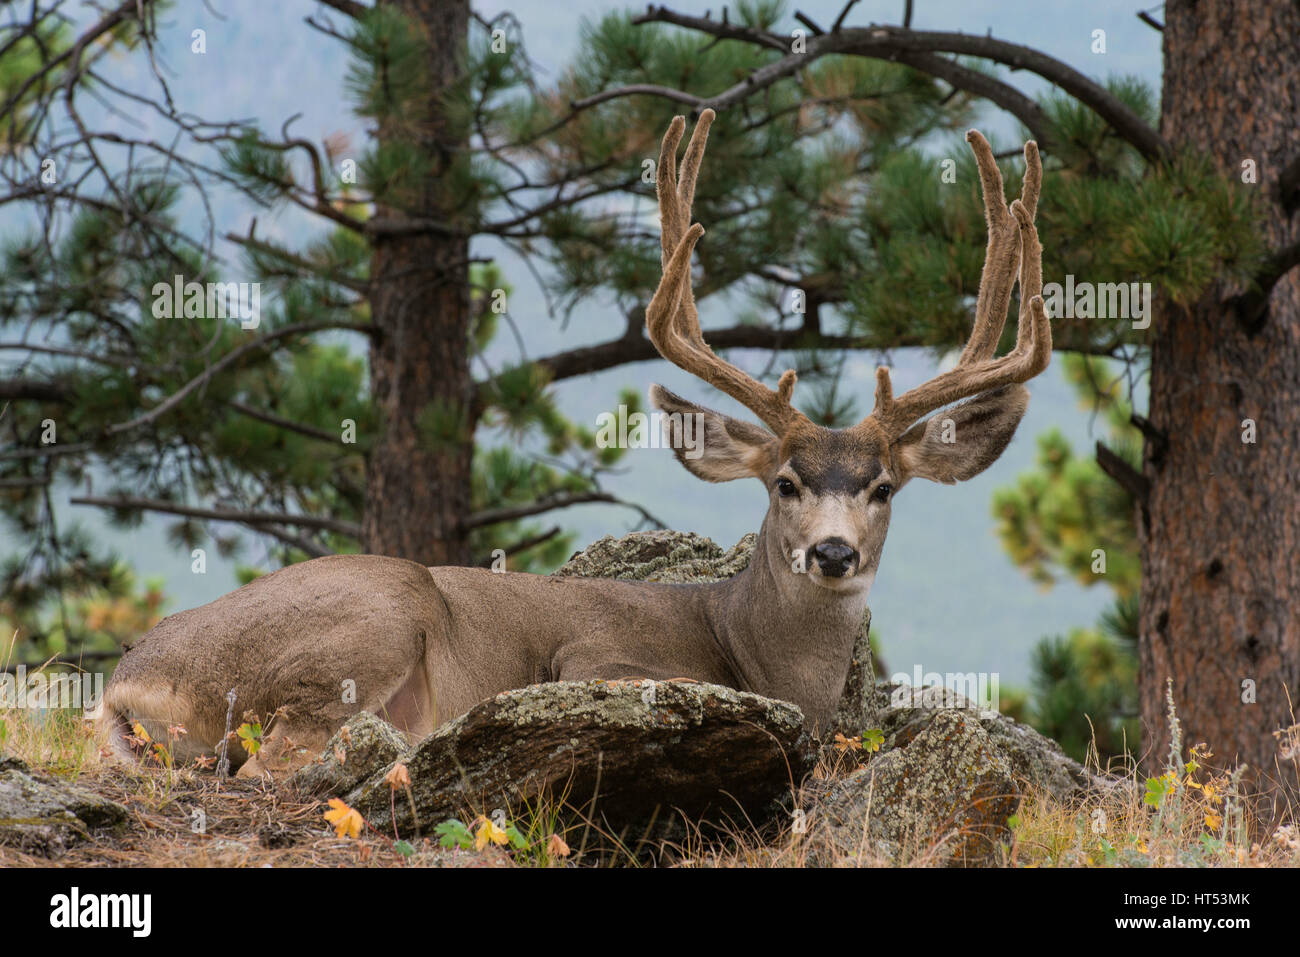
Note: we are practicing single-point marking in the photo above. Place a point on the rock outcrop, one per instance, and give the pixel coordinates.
(40, 814)
(357, 750)
(944, 796)
(620, 752)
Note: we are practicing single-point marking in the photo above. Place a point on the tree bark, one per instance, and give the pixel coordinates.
(1220, 534)
(418, 487)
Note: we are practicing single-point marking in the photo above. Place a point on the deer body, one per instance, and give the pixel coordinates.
(323, 639)
(309, 645)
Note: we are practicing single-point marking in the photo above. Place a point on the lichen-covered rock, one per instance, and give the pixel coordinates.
(42, 815)
(943, 796)
(660, 556)
(364, 745)
(619, 751)
(1037, 763)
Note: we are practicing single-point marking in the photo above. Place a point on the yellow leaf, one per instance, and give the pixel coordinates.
(141, 733)
(347, 822)
(489, 832)
(250, 736)
(1213, 821)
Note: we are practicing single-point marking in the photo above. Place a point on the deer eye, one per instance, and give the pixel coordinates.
(882, 492)
(785, 488)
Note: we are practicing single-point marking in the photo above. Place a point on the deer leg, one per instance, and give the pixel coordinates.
(284, 750)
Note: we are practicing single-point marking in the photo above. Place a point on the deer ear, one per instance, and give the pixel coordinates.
(713, 446)
(961, 442)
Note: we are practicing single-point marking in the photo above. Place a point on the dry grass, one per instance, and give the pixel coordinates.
(1194, 815)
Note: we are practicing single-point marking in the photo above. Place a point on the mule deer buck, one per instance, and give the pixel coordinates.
(422, 645)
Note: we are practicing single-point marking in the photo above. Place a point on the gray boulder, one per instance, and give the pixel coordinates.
(943, 796)
(40, 814)
(364, 745)
(902, 712)
(621, 752)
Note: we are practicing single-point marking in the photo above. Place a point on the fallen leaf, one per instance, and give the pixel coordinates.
(346, 821)
(489, 833)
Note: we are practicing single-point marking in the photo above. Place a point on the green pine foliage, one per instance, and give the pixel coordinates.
(1066, 517)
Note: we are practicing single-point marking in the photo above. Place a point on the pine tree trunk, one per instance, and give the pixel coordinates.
(1221, 533)
(417, 488)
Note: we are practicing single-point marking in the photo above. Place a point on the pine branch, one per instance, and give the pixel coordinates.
(1129, 478)
(638, 348)
(35, 389)
(355, 10)
(46, 451)
(635, 347)
(74, 52)
(522, 545)
(722, 29)
(850, 4)
(310, 546)
(891, 43)
(102, 358)
(229, 359)
(633, 89)
(360, 287)
(35, 482)
(494, 516)
(270, 418)
(1251, 307)
(990, 88)
(250, 518)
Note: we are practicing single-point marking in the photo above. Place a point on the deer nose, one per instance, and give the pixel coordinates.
(835, 557)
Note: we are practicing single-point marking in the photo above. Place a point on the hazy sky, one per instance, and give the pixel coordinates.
(946, 597)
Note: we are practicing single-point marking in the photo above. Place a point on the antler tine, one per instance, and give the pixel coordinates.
(1001, 257)
(672, 320)
(676, 196)
(1013, 239)
(672, 223)
(1034, 334)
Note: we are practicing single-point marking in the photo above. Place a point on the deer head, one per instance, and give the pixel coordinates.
(831, 490)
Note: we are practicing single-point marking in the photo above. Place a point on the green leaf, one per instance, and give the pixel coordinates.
(1157, 789)
(250, 736)
(453, 833)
